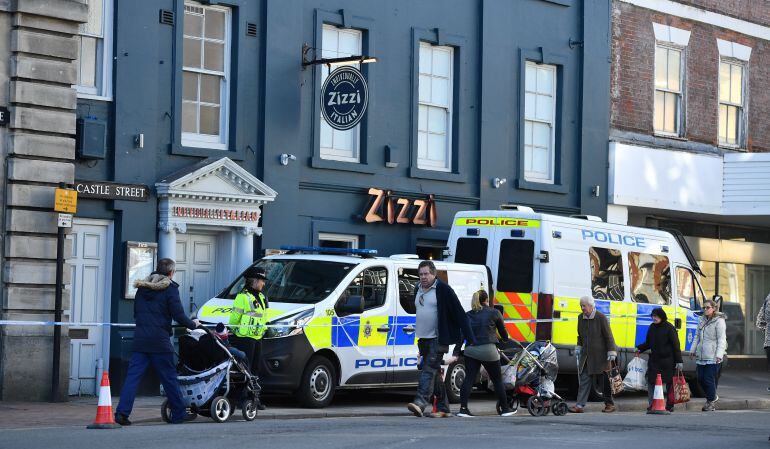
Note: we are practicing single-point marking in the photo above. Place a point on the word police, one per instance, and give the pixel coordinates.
(382, 363)
(616, 238)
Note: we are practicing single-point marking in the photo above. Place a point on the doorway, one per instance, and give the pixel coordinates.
(196, 269)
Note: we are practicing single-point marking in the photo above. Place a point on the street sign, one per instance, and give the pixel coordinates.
(64, 221)
(66, 200)
(344, 97)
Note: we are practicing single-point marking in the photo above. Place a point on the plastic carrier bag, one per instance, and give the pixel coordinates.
(636, 378)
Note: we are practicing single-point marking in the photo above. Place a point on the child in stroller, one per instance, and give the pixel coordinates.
(529, 373)
(212, 378)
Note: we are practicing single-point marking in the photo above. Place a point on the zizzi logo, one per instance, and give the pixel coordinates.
(616, 238)
(382, 363)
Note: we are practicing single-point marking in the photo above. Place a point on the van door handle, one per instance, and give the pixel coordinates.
(383, 328)
(408, 329)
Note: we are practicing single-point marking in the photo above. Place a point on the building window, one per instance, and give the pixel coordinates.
(668, 90)
(730, 103)
(94, 52)
(336, 144)
(434, 120)
(344, 241)
(539, 122)
(206, 74)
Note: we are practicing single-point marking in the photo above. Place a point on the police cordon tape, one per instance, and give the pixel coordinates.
(347, 323)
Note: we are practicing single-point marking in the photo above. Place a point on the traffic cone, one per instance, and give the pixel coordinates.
(658, 402)
(104, 418)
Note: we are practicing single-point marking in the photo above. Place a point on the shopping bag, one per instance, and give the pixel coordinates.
(681, 389)
(636, 377)
(616, 380)
(509, 377)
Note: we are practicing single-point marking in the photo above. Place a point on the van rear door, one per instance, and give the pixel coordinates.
(516, 270)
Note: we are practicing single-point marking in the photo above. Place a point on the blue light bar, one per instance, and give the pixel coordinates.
(321, 249)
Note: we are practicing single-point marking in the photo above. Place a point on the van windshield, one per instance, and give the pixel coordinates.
(298, 281)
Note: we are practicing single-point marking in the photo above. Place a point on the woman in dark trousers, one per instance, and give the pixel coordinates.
(486, 323)
(665, 355)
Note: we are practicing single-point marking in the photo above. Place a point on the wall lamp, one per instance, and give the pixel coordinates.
(285, 158)
(497, 182)
(359, 59)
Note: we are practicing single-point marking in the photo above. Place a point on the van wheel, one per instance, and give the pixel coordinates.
(453, 381)
(318, 384)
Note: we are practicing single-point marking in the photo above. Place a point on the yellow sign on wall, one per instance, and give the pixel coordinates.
(65, 200)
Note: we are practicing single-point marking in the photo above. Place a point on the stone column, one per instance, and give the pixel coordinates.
(167, 239)
(244, 247)
(38, 49)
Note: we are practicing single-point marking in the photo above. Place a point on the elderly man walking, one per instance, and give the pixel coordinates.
(595, 351)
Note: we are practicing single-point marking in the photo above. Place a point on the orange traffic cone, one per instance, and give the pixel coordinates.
(104, 418)
(658, 403)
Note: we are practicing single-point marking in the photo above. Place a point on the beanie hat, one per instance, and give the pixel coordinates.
(221, 331)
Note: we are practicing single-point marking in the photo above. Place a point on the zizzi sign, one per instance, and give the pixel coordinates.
(216, 214)
(344, 97)
(385, 207)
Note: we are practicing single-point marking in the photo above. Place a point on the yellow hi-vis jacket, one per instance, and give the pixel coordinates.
(249, 315)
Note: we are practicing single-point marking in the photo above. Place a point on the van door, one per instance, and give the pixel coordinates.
(402, 336)
(517, 274)
(689, 299)
(362, 339)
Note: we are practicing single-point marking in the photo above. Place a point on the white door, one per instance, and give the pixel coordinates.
(196, 269)
(89, 284)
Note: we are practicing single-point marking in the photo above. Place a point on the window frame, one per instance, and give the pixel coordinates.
(335, 237)
(622, 270)
(104, 53)
(681, 99)
(426, 164)
(198, 140)
(562, 181)
(528, 176)
(694, 284)
(438, 37)
(363, 285)
(631, 277)
(742, 116)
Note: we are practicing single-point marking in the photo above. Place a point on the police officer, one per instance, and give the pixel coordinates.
(249, 317)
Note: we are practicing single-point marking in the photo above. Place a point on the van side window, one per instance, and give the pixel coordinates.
(688, 291)
(408, 280)
(471, 250)
(606, 273)
(372, 284)
(514, 269)
(650, 278)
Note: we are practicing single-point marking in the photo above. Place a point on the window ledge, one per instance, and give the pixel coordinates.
(182, 150)
(670, 136)
(732, 148)
(436, 175)
(329, 164)
(541, 186)
(82, 96)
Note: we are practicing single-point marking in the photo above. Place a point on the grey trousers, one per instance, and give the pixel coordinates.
(584, 390)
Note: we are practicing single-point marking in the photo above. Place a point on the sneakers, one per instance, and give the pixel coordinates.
(608, 408)
(415, 409)
(465, 413)
(261, 406)
(122, 419)
(440, 415)
(575, 409)
(508, 412)
(709, 407)
(716, 398)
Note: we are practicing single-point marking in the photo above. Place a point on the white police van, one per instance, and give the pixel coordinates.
(542, 264)
(339, 320)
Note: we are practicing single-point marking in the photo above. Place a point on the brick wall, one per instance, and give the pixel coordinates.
(632, 89)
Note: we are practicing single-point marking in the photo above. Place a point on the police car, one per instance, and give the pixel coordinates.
(339, 321)
(542, 264)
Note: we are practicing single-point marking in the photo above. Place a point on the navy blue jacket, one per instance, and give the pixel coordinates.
(155, 305)
(486, 323)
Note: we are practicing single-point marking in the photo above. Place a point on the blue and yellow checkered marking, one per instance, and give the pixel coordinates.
(355, 331)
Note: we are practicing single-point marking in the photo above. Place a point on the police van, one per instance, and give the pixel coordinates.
(341, 320)
(542, 264)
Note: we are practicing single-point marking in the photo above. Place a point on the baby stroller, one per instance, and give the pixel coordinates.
(529, 374)
(212, 379)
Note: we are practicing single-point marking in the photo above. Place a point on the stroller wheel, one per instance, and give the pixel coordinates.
(560, 408)
(249, 409)
(165, 412)
(536, 406)
(220, 409)
(513, 404)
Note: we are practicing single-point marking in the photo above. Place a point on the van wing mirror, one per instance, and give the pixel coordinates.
(351, 305)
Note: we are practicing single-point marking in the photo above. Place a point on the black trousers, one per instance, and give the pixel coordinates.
(472, 367)
(253, 350)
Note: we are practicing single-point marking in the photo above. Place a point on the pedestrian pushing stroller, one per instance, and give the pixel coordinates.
(212, 379)
(529, 374)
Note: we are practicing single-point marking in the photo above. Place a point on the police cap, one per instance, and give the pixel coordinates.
(254, 273)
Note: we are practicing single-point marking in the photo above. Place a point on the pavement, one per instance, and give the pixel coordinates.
(738, 390)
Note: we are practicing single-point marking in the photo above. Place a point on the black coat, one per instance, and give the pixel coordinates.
(487, 324)
(155, 305)
(663, 343)
(452, 321)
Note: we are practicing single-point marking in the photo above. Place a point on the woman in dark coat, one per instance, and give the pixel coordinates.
(665, 355)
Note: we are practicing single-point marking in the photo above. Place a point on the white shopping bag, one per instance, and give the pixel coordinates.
(636, 378)
(509, 377)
